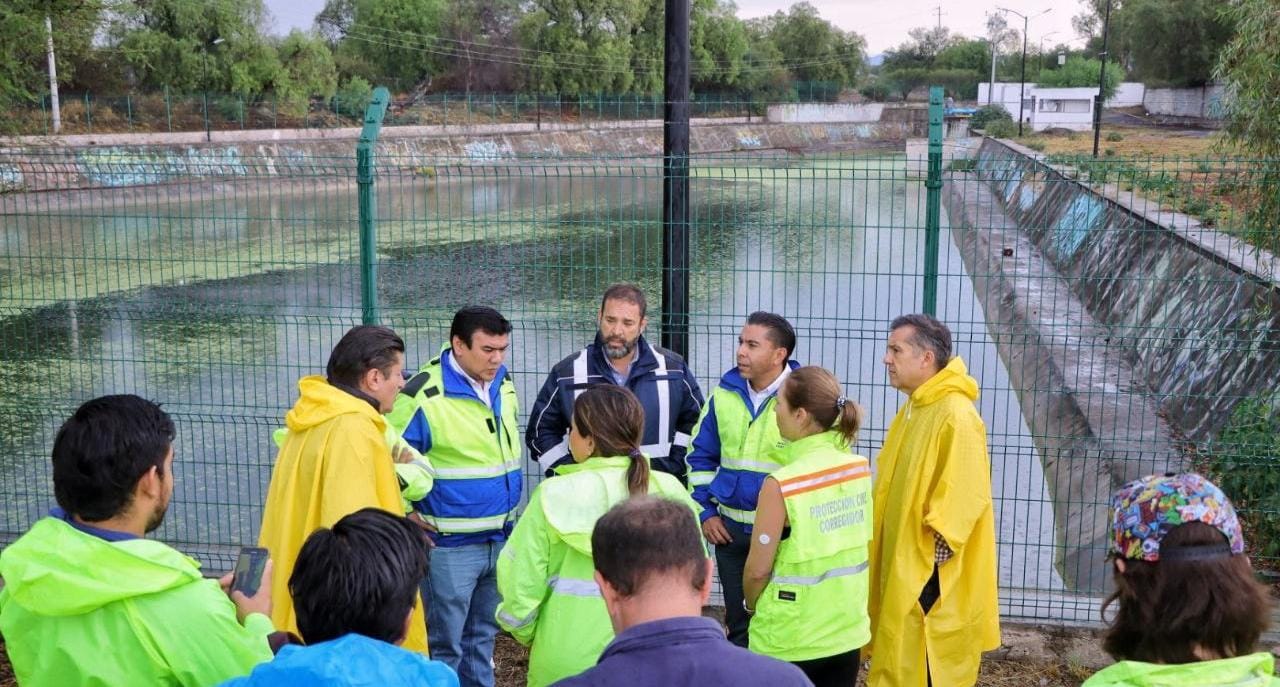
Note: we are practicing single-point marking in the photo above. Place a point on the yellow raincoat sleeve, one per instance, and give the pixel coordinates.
(523, 572)
(962, 493)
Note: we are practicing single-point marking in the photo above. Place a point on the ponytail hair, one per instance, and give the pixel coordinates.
(818, 392)
(614, 418)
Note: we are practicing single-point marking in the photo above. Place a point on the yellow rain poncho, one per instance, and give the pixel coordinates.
(933, 475)
(333, 462)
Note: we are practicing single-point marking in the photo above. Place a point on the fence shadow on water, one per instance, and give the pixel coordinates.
(213, 289)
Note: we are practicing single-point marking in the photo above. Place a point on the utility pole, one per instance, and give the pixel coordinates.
(675, 179)
(1022, 81)
(991, 88)
(1102, 76)
(938, 11)
(53, 75)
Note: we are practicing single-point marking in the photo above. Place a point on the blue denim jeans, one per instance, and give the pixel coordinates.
(461, 591)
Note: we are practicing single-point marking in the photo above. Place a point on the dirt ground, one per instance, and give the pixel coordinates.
(512, 661)
(1135, 141)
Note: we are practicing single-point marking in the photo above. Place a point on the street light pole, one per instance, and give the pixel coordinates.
(204, 60)
(1022, 82)
(1102, 75)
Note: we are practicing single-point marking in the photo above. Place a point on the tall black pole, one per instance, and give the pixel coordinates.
(204, 77)
(675, 180)
(1022, 80)
(1102, 77)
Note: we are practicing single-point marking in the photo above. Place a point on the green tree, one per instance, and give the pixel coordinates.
(22, 43)
(814, 49)
(584, 46)
(1079, 72)
(718, 44)
(1174, 42)
(1247, 67)
(398, 40)
(922, 49)
(217, 45)
(306, 69)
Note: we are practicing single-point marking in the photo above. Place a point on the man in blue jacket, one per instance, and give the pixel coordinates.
(655, 577)
(620, 355)
(460, 413)
(733, 451)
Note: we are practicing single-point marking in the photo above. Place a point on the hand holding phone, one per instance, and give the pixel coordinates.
(250, 566)
(249, 586)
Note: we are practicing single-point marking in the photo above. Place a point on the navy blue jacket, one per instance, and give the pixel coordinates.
(666, 388)
(683, 652)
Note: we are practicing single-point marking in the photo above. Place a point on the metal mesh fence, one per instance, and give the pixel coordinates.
(213, 291)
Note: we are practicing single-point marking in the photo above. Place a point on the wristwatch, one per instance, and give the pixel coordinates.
(748, 609)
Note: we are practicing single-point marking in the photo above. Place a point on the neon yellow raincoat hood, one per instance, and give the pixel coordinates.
(77, 609)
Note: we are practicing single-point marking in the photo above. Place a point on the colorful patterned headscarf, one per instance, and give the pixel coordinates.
(1146, 509)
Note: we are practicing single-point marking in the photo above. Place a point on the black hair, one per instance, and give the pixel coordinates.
(929, 334)
(361, 575)
(478, 317)
(362, 348)
(102, 451)
(780, 331)
(629, 293)
(643, 537)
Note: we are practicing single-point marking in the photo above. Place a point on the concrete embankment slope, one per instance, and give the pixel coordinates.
(113, 161)
(1130, 334)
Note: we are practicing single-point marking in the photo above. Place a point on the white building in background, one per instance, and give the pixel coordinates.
(1044, 108)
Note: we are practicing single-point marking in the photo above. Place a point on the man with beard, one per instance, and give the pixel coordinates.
(620, 355)
(88, 599)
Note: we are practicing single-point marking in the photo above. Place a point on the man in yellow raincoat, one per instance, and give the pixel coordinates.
(933, 603)
(334, 458)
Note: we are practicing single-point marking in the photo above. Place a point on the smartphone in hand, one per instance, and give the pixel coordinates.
(249, 568)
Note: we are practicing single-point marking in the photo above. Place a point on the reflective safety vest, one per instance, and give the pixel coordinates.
(550, 600)
(815, 605)
(473, 453)
(748, 451)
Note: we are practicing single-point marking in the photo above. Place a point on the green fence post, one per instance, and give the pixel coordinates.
(128, 108)
(88, 114)
(368, 204)
(933, 202)
(168, 110)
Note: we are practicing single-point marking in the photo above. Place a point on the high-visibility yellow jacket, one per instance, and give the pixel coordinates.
(933, 475)
(815, 605)
(550, 600)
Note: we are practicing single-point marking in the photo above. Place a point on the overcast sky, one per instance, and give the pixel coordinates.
(884, 23)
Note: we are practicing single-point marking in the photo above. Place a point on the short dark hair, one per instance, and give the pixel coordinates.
(780, 331)
(647, 536)
(362, 348)
(361, 575)
(102, 451)
(478, 317)
(927, 333)
(629, 293)
(1169, 609)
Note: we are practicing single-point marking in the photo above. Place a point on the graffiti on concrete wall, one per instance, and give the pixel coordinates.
(487, 151)
(119, 166)
(1080, 217)
(10, 178)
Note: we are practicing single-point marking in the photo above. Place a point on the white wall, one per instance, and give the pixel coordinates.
(1204, 103)
(803, 113)
(1127, 94)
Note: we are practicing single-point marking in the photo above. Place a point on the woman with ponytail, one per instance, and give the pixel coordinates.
(550, 600)
(805, 581)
